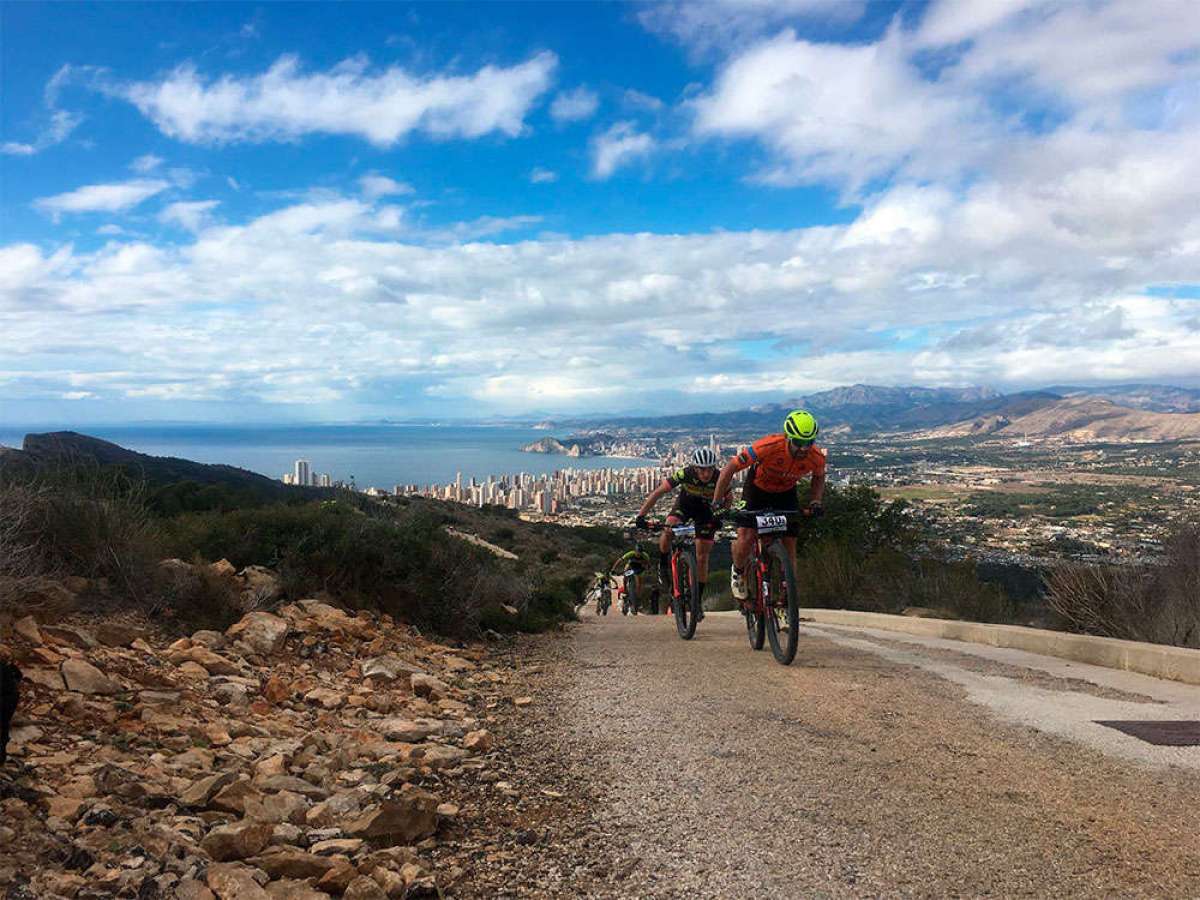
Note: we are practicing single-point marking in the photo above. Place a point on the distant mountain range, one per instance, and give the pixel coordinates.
(1081, 419)
(1144, 412)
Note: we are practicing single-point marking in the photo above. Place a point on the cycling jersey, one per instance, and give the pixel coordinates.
(689, 479)
(635, 559)
(772, 466)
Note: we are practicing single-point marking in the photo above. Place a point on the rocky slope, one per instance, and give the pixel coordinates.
(303, 753)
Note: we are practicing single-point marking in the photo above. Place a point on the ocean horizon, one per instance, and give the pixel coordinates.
(373, 455)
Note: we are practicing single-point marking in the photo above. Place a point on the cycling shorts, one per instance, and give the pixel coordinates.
(756, 498)
(692, 508)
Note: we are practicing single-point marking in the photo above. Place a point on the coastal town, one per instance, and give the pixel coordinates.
(1020, 502)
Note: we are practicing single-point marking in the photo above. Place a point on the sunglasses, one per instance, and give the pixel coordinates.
(799, 444)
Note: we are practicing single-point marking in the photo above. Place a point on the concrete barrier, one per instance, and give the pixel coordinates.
(1173, 663)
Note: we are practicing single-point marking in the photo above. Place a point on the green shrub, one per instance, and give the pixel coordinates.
(80, 520)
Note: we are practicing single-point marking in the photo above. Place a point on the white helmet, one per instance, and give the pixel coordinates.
(705, 458)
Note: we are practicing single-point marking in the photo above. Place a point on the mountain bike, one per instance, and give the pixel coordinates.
(772, 607)
(685, 577)
(628, 592)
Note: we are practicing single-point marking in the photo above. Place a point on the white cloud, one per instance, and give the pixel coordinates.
(146, 163)
(57, 130)
(189, 215)
(644, 102)
(1004, 288)
(713, 25)
(838, 112)
(115, 197)
(285, 103)
(618, 146)
(375, 185)
(573, 106)
(542, 176)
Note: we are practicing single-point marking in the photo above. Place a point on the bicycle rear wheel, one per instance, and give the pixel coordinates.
(686, 604)
(783, 607)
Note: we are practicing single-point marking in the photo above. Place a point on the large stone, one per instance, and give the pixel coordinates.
(261, 587)
(233, 797)
(428, 686)
(290, 889)
(233, 881)
(190, 889)
(85, 678)
(223, 568)
(293, 864)
(410, 731)
(364, 888)
(336, 880)
(27, 628)
(276, 783)
(326, 698)
(388, 667)
(239, 840)
(75, 637)
(284, 806)
(276, 690)
(213, 663)
(438, 756)
(260, 631)
(114, 634)
(478, 741)
(201, 792)
(406, 818)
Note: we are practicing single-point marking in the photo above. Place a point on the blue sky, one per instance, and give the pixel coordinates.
(339, 211)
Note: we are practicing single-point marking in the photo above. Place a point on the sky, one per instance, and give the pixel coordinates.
(338, 212)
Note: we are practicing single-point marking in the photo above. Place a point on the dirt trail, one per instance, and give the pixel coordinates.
(706, 770)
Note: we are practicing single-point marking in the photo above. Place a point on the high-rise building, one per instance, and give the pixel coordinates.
(302, 472)
(326, 480)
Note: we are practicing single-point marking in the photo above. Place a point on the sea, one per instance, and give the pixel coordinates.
(373, 455)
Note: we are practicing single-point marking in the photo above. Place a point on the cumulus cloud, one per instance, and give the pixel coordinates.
(382, 107)
(146, 163)
(926, 285)
(618, 146)
(375, 185)
(115, 197)
(189, 215)
(573, 106)
(837, 112)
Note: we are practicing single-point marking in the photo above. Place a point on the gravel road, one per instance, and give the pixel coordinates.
(704, 769)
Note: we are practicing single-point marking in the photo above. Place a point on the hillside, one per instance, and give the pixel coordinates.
(1080, 419)
(1150, 397)
(71, 447)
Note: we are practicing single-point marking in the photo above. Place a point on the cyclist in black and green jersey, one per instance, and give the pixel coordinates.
(696, 483)
(637, 560)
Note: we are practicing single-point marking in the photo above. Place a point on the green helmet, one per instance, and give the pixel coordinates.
(801, 426)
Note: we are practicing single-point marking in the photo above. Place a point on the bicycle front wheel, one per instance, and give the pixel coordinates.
(783, 606)
(687, 603)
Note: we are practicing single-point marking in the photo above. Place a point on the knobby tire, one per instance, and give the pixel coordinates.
(687, 604)
(784, 609)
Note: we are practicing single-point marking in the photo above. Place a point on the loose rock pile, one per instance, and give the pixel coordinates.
(302, 753)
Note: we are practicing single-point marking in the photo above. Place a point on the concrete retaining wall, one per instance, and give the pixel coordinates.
(1174, 663)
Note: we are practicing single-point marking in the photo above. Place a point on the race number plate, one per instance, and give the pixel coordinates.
(771, 524)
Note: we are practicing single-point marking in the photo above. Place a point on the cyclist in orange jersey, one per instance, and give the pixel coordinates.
(776, 462)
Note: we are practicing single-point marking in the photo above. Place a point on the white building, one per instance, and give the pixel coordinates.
(302, 473)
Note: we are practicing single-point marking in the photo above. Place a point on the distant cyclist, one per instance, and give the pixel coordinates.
(636, 560)
(776, 462)
(696, 482)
